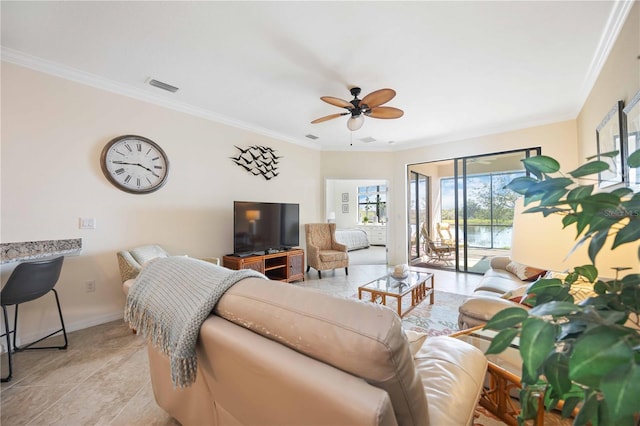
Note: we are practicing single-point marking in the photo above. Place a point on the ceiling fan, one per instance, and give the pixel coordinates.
(370, 106)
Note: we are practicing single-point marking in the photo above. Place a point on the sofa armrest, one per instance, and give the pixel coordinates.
(482, 309)
(129, 268)
(452, 373)
(499, 262)
(338, 246)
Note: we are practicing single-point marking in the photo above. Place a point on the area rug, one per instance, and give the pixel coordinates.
(438, 319)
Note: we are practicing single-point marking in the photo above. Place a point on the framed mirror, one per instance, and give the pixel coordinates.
(610, 147)
(632, 119)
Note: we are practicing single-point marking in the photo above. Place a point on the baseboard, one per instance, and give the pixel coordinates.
(73, 326)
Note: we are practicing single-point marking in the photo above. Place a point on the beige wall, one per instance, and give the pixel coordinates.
(618, 80)
(53, 131)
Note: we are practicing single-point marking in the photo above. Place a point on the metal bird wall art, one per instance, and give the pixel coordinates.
(258, 160)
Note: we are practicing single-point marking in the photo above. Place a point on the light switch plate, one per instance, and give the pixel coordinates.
(87, 223)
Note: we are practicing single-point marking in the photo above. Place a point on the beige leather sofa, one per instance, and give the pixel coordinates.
(491, 295)
(500, 289)
(279, 354)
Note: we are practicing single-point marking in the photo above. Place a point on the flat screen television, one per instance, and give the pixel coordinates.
(258, 227)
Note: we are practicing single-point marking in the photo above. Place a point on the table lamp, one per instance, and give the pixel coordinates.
(542, 242)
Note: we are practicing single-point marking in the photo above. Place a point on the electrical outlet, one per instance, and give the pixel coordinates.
(90, 286)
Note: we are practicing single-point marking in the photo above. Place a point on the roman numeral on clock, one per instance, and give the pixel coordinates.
(127, 179)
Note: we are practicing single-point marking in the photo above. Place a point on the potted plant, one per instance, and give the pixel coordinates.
(585, 354)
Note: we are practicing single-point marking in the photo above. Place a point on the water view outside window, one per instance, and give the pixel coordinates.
(372, 203)
(489, 208)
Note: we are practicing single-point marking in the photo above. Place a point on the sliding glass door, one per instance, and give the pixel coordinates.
(418, 213)
(461, 215)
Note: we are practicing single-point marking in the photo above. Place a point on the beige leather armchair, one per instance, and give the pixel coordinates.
(323, 251)
(131, 261)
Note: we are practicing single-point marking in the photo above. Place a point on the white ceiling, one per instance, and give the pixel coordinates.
(460, 69)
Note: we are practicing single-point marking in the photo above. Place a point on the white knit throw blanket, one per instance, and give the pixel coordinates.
(169, 301)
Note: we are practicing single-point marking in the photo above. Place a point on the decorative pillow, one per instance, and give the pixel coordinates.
(516, 295)
(524, 272)
(416, 339)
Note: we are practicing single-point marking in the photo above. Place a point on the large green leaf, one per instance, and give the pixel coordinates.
(540, 165)
(588, 271)
(556, 309)
(634, 159)
(580, 192)
(622, 192)
(630, 297)
(589, 410)
(590, 168)
(507, 318)
(537, 339)
(556, 370)
(621, 389)
(596, 244)
(552, 198)
(569, 405)
(502, 340)
(630, 233)
(544, 283)
(597, 353)
(521, 184)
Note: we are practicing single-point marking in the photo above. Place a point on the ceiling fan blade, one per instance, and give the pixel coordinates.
(385, 112)
(378, 97)
(328, 117)
(337, 102)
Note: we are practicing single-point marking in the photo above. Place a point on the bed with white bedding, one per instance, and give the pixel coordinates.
(353, 238)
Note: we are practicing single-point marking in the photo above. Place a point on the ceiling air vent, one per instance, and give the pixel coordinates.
(368, 139)
(163, 86)
(312, 137)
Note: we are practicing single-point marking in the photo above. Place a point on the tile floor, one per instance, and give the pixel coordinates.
(103, 377)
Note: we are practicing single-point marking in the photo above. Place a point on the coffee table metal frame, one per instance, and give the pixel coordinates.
(388, 286)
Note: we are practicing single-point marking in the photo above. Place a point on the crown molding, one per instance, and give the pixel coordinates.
(68, 73)
(616, 21)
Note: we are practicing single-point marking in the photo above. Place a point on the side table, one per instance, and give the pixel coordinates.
(503, 376)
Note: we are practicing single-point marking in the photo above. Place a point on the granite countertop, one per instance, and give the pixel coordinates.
(32, 250)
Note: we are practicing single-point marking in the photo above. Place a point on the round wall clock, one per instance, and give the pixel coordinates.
(134, 164)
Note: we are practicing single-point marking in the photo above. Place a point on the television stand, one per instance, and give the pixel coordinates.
(284, 266)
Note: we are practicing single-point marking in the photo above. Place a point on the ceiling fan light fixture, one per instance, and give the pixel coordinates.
(355, 122)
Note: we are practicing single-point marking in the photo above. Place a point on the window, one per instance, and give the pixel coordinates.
(372, 203)
(489, 208)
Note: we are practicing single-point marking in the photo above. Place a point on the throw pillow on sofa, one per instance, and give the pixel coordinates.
(524, 272)
(519, 295)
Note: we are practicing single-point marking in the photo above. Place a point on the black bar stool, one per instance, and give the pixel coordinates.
(30, 281)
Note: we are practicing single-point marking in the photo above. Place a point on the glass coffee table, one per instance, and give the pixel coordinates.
(414, 283)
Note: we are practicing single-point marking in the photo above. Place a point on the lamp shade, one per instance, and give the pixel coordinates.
(354, 123)
(253, 215)
(542, 242)
(331, 216)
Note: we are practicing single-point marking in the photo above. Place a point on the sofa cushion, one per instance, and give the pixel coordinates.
(361, 338)
(332, 255)
(499, 285)
(524, 272)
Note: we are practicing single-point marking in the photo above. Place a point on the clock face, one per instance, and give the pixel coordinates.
(134, 164)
